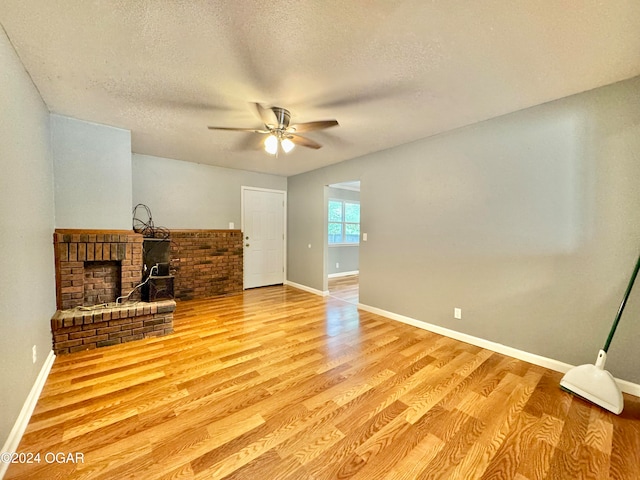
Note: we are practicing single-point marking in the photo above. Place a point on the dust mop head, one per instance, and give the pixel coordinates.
(594, 384)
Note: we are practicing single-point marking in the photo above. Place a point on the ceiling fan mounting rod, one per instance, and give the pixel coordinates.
(283, 116)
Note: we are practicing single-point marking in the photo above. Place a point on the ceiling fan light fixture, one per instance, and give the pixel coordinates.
(287, 145)
(281, 133)
(271, 144)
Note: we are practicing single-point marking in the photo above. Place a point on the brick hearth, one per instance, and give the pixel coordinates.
(75, 330)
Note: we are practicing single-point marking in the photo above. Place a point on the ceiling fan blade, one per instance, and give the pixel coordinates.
(267, 115)
(254, 130)
(309, 126)
(303, 141)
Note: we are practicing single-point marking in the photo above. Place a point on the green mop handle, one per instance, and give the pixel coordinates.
(622, 305)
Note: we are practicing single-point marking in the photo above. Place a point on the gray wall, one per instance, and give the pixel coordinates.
(92, 168)
(27, 288)
(347, 256)
(190, 195)
(530, 223)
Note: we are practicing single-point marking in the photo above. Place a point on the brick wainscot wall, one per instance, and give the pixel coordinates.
(206, 263)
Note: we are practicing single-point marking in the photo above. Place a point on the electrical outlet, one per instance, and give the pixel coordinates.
(337, 265)
(457, 313)
(34, 354)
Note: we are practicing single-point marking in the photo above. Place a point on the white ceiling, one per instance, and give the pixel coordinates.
(353, 185)
(389, 71)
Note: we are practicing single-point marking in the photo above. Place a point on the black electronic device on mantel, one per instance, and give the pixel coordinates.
(155, 251)
(163, 269)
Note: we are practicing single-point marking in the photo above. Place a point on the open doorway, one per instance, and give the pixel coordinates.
(343, 240)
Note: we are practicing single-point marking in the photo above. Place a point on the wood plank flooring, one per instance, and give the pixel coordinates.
(346, 288)
(276, 383)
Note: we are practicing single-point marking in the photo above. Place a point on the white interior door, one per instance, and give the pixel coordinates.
(263, 226)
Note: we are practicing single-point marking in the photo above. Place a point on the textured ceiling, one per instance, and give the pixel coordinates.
(389, 71)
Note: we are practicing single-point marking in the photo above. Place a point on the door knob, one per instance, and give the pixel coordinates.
(246, 245)
(247, 238)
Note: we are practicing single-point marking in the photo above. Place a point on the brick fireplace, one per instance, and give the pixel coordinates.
(95, 267)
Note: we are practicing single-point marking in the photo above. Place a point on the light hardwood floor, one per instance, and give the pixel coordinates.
(346, 288)
(280, 384)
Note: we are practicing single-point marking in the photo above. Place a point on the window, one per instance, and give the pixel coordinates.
(344, 222)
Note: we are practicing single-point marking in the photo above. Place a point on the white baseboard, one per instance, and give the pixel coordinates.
(307, 289)
(550, 363)
(343, 274)
(11, 445)
(628, 387)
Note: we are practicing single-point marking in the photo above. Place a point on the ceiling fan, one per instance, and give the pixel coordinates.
(276, 121)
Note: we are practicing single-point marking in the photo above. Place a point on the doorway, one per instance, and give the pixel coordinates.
(264, 240)
(343, 240)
